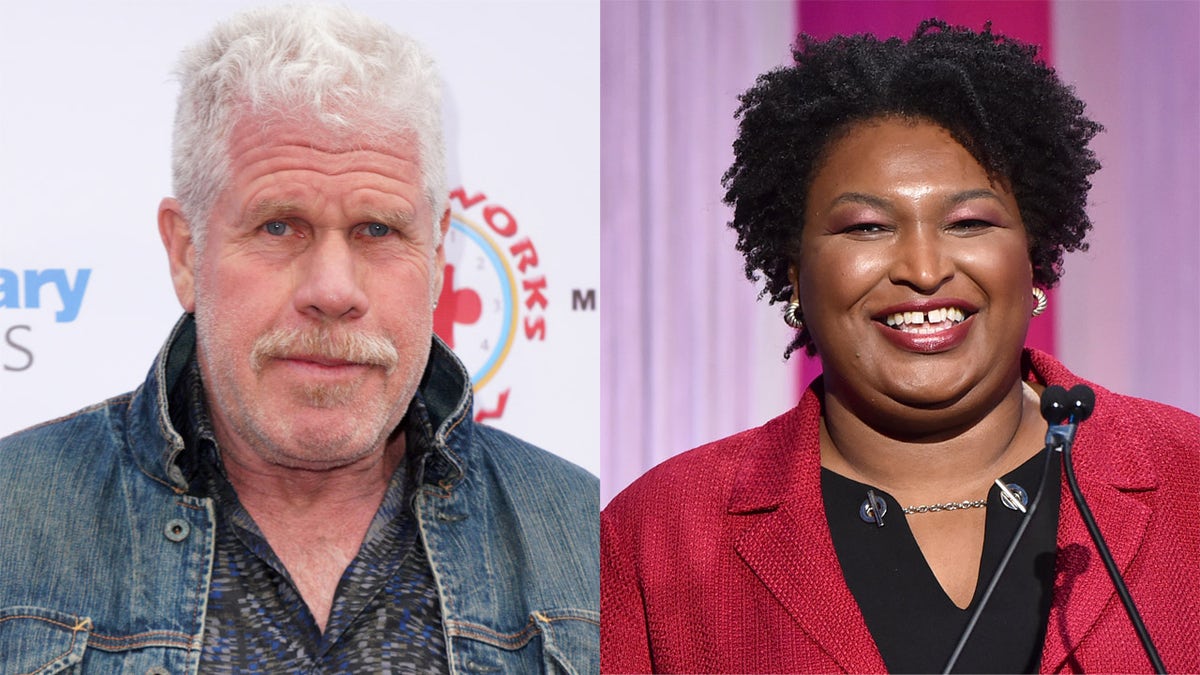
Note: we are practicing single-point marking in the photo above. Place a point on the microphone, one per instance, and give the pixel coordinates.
(1076, 405)
(1080, 402)
(1063, 410)
(1054, 404)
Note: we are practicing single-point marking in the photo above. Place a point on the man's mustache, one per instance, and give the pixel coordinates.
(362, 348)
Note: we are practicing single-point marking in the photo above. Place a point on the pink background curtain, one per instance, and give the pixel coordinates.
(689, 356)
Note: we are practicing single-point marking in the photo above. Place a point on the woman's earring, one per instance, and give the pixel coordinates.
(1040, 296)
(791, 315)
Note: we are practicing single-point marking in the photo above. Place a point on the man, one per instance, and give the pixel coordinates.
(299, 485)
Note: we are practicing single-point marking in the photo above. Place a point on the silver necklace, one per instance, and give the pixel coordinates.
(1012, 496)
(947, 506)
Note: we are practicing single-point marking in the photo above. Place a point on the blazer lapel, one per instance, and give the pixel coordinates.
(1082, 587)
(791, 552)
(789, 547)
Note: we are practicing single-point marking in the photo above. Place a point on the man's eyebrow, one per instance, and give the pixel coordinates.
(390, 217)
(269, 208)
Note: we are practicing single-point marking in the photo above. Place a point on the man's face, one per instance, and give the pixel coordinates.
(313, 294)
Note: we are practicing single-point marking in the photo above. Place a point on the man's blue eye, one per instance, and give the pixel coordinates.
(276, 227)
(377, 230)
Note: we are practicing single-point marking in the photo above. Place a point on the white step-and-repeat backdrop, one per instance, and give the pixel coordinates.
(86, 104)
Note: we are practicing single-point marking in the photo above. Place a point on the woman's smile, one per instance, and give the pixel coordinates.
(927, 326)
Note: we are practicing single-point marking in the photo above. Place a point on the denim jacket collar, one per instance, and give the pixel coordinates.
(445, 388)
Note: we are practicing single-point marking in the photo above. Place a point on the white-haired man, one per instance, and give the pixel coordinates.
(299, 485)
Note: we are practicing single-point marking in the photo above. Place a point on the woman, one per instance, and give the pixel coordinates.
(909, 201)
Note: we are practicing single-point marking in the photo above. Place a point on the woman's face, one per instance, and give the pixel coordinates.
(913, 273)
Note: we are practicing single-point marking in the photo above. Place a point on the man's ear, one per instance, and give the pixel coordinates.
(181, 251)
(439, 255)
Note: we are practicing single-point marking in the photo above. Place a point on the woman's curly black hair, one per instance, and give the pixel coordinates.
(1009, 110)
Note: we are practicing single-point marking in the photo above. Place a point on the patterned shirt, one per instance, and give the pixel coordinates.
(385, 616)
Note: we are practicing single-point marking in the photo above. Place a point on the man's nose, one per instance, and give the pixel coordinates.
(330, 284)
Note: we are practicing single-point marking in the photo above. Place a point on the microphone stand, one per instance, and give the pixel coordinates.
(1106, 555)
(1073, 406)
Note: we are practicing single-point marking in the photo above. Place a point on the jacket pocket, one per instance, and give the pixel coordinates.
(552, 642)
(41, 641)
(571, 641)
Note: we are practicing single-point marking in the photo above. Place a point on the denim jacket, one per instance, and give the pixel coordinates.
(105, 558)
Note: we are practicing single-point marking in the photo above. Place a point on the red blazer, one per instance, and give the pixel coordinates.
(720, 560)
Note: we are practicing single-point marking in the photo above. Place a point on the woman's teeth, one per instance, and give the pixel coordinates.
(926, 322)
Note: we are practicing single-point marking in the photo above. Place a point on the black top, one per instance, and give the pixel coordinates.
(913, 621)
